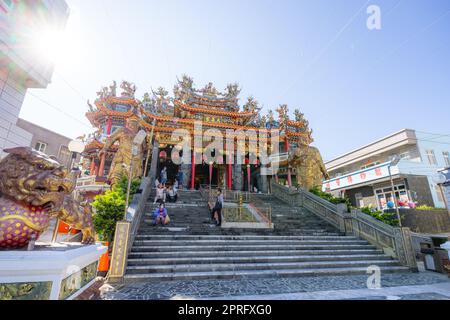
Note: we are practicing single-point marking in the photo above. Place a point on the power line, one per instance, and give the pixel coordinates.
(72, 87)
(446, 143)
(58, 109)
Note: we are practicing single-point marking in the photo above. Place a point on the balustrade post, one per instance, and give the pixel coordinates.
(404, 249)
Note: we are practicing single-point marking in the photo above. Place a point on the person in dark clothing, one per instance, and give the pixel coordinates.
(217, 209)
(172, 195)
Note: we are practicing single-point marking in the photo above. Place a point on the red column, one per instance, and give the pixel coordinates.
(210, 172)
(193, 170)
(92, 167)
(230, 184)
(248, 178)
(229, 168)
(109, 126)
(289, 177)
(102, 165)
(286, 144)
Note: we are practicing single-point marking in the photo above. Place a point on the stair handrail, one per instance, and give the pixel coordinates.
(126, 231)
(395, 241)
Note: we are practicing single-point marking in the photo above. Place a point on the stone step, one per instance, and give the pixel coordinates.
(238, 242)
(238, 237)
(245, 247)
(257, 273)
(218, 232)
(255, 266)
(256, 259)
(251, 253)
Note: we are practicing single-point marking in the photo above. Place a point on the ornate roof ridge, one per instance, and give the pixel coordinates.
(233, 114)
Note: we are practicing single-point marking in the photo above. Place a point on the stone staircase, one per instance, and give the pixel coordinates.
(300, 244)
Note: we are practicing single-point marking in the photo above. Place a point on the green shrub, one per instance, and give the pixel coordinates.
(426, 208)
(110, 208)
(122, 186)
(386, 217)
(330, 198)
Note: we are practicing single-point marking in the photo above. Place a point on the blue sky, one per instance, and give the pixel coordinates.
(354, 85)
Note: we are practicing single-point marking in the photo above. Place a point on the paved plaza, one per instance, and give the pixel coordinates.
(396, 286)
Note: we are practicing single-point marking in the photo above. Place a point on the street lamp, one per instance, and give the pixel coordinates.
(75, 147)
(394, 161)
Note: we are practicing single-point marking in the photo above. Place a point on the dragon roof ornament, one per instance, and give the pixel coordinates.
(128, 89)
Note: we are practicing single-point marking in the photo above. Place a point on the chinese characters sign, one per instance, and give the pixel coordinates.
(359, 177)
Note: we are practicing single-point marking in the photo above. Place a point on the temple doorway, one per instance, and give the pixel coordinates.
(166, 161)
(202, 175)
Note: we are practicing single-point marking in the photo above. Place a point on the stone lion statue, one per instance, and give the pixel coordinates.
(33, 189)
(311, 170)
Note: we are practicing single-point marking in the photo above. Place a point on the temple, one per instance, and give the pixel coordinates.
(160, 115)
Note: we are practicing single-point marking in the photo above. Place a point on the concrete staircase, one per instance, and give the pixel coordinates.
(300, 244)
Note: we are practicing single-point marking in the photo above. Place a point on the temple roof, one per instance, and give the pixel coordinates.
(232, 114)
(215, 109)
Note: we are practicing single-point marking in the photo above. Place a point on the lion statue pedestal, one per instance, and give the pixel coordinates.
(33, 189)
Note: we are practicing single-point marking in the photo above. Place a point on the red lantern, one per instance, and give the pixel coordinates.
(163, 155)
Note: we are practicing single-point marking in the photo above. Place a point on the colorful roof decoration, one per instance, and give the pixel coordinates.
(215, 109)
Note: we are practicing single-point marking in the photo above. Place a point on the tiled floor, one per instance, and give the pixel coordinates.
(285, 288)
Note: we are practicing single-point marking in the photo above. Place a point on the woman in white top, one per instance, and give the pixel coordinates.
(160, 194)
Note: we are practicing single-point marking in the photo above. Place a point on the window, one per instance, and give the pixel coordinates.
(431, 157)
(64, 155)
(40, 146)
(440, 196)
(385, 195)
(405, 156)
(121, 107)
(370, 165)
(114, 128)
(446, 155)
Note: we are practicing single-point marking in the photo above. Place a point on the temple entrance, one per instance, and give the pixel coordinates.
(202, 175)
(166, 161)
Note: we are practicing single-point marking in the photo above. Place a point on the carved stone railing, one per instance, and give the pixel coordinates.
(394, 241)
(126, 231)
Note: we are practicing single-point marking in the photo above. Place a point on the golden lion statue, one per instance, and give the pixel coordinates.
(311, 170)
(33, 189)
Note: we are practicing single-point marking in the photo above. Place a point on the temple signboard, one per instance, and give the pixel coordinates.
(120, 249)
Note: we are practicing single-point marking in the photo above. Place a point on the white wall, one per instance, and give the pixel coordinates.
(21, 67)
(439, 144)
(12, 95)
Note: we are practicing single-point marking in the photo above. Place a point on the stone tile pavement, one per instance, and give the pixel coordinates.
(426, 285)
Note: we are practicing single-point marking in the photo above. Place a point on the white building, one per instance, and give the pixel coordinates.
(21, 65)
(363, 174)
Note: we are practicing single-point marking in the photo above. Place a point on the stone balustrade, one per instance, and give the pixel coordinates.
(394, 241)
(126, 230)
